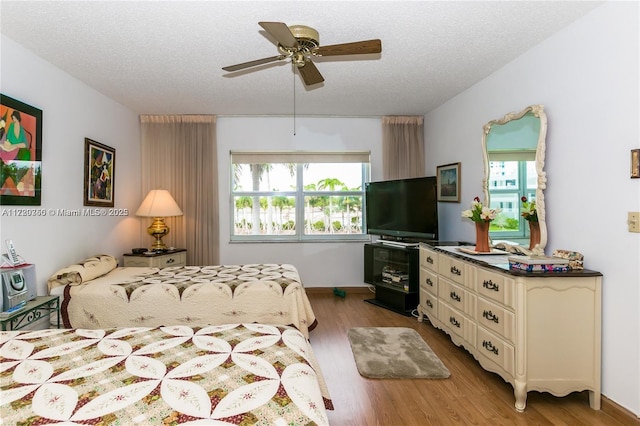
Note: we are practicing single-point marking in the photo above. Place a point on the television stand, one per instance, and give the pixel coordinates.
(394, 272)
(399, 243)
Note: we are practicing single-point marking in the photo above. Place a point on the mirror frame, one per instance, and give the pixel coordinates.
(537, 111)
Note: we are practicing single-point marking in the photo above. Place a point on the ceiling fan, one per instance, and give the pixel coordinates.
(301, 43)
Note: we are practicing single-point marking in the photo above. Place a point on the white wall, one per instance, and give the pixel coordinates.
(586, 76)
(319, 264)
(71, 112)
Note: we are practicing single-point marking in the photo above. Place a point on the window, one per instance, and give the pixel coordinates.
(509, 181)
(298, 196)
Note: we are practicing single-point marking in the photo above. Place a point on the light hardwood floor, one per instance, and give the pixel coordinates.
(471, 396)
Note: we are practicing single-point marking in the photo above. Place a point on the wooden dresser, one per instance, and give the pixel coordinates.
(538, 330)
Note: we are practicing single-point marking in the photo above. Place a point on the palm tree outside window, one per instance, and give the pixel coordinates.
(298, 196)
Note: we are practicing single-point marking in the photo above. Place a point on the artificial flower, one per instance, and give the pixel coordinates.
(480, 213)
(528, 210)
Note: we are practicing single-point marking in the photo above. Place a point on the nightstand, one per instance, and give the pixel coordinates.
(32, 312)
(176, 257)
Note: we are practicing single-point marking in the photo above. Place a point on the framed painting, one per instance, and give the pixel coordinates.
(20, 153)
(448, 182)
(635, 163)
(99, 174)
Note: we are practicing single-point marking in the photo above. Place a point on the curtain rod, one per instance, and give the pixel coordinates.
(315, 115)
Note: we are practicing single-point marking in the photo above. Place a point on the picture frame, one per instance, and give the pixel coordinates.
(99, 174)
(635, 163)
(448, 183)
(20, 153)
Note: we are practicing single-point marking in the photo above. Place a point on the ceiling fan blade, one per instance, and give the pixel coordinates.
(250, 64)
(310, 74)
(355, 48)
(280, 32)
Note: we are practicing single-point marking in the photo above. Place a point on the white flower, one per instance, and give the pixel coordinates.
(480, 213)
(489, 214)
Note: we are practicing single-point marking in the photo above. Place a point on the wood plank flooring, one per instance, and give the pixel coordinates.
(471, 396)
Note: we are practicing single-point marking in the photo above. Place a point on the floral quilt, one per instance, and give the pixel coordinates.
(216, 375)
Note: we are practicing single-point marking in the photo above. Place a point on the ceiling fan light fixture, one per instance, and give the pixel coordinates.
(302, 43)
(298, 59)
(307, 37)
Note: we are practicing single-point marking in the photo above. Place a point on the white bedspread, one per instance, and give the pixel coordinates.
(191, 295)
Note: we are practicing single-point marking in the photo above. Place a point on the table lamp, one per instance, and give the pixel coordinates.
(158, 204)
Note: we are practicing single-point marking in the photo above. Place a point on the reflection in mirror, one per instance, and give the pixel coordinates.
(514, 151)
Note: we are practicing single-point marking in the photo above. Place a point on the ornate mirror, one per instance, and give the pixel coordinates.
(514, 150)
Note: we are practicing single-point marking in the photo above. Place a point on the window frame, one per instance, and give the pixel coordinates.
(520, 190)
(298, 158)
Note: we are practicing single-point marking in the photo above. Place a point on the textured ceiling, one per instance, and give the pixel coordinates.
(165, 57)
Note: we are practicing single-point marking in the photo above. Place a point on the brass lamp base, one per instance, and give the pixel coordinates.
(158, 229)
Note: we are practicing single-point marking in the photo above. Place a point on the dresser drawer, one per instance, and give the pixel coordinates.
(429, 281)
(457, 323)
(428, 259)
(497, 350)
(177, 259)
(429, 303)
(457, 296)
(496, 287)
(451, 268)
(496, 318)
(157, 261)
(138, 261)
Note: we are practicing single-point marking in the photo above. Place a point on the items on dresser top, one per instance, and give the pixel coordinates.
(575, 259)
(542, 264)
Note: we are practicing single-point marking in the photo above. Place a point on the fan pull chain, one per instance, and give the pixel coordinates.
(294, 102)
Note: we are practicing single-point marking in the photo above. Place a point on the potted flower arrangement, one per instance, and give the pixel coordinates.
(482, 216)
(530, 214)
(528, 210)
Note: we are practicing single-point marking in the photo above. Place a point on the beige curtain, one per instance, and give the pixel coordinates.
(402, 147)
(179, 154)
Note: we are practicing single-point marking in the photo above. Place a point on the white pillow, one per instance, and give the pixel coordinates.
(88, 269)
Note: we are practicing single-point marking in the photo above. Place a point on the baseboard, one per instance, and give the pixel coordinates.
(329, 290)
(609, 406)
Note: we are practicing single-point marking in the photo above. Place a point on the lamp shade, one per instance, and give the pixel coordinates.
(159, 203)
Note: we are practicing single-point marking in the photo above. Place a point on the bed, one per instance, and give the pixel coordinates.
(224, 374)
(96, 293)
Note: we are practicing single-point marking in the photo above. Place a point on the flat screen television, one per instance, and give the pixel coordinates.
(403, 209)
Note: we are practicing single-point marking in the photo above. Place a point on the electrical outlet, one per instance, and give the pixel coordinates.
(634, 221)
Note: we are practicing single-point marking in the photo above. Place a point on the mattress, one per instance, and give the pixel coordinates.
(188, 295)
(225, 374)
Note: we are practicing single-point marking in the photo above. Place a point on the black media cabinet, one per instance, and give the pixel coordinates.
(394, 272)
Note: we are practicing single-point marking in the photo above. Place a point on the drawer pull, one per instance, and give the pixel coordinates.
(454, 296)
(489, 346)
(490, 285)
(491, 317)
(455, 271)
(429, 282)
(171, 260)
(430, 260)
(429, 304)
(454, 321)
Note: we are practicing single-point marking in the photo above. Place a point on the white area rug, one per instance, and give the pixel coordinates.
(394, 353)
